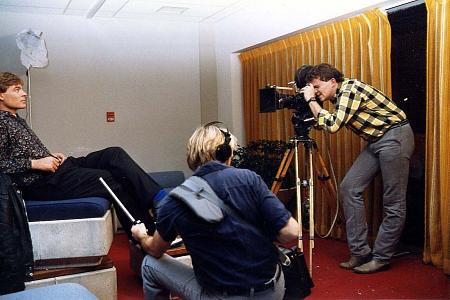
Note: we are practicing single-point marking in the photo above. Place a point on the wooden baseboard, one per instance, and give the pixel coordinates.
(72, 262)
(104, 263)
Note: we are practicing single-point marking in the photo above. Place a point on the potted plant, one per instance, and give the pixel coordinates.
(264, 158)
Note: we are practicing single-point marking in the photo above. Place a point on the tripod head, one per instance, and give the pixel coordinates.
(303, 122)
(307, 141)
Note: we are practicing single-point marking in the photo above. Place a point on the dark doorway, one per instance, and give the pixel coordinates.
(408, 64)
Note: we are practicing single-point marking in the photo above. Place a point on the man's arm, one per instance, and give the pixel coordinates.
(154, 245)
(348, 102)
(289, 232)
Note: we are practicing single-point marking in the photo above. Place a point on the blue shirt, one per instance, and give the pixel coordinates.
(229, 253)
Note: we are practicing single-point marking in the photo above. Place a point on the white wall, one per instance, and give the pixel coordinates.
(146, 72)
(208, 74)
(259, 21)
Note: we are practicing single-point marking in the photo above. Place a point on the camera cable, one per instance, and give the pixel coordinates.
(333, 175)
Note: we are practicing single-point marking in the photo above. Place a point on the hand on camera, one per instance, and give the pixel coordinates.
(308, 91)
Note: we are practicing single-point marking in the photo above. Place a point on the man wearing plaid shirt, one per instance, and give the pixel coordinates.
(377, 119)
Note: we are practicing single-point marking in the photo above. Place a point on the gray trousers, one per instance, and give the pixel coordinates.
(166, 274)
(390, 155)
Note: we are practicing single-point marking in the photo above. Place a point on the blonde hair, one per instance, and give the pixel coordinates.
(202, 145)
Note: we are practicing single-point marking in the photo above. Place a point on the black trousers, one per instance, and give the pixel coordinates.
(79, 177)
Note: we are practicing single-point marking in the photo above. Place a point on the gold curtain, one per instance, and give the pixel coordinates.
(360, 48)
(437, 153)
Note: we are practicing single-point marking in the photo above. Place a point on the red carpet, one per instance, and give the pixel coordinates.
(408, 277)
(129, 286)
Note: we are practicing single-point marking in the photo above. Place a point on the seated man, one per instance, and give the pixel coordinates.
(230, 258)
(43, 175)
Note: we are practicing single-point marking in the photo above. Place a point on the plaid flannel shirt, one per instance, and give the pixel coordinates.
(363, 109)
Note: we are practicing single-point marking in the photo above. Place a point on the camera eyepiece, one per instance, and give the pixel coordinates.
(300, 75)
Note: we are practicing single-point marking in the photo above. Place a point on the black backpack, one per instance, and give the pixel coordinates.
(16, 250)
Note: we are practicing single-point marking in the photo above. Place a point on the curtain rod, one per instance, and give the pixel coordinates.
(383, 5)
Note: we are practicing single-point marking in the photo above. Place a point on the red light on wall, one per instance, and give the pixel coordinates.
(110, 116)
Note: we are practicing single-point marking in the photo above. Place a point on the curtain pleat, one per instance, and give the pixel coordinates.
(437, 153)
(360, 48)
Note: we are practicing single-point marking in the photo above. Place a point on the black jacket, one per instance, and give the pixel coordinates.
(16, 251)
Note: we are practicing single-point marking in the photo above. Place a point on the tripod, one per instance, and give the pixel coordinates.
(310, 146)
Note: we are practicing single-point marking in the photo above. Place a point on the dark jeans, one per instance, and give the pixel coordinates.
(79, 177)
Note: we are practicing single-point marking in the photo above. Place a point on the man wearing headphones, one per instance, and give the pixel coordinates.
(231, 259)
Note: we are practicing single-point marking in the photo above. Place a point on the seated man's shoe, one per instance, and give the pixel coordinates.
(371, 267)
(355, 261)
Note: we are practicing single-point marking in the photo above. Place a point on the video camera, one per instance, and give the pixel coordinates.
(273, 97)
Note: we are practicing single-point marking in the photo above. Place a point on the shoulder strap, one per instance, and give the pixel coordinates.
(201, 198)
(196, 193)
(202, 187)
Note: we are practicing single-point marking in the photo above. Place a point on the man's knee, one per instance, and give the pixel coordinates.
(345, 189)
(106, 175)
(115, 151)
(116, 155)
(397, 210)
(163, 264)
(348, 190)
(149, 264)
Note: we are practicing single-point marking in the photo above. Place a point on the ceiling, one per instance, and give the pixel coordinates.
(179, 10)
(197, 11)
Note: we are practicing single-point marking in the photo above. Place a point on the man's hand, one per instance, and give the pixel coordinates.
(154, 245)
(308, 91)
(139, 232)
(47, 164)
(62, 158)
(289, 232)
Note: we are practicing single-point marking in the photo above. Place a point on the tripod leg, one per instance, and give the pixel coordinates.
(299, 200)
(282, 169)
(281, 173)
(311, 208)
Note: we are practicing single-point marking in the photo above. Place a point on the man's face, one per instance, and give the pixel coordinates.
(324, 90)
(13, 99)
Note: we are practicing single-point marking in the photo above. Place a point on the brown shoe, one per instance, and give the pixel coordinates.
(371, 267)
(355, 261)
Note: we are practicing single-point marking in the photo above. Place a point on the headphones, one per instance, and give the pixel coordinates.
(223, 151)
